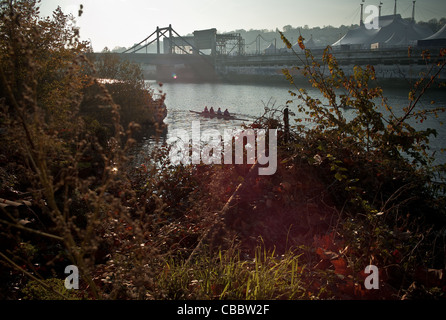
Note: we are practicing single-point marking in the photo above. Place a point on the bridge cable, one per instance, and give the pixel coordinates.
(136, 45)
(198, 50)
(135, 48)
(148, 44)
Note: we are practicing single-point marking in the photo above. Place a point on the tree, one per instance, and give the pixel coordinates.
(287, 28)
(119, 49)
(76, 185)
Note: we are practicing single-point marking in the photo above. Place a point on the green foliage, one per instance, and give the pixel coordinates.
(109, 66)
(375, 143)
(49, 289)
(124, 83)
(376, 165)
(76, 183)
(227, 276)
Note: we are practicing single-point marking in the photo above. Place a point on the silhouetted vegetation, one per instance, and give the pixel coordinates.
(346, 194)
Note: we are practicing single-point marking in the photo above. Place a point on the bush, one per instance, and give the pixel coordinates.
(78, 185)
(375, 165)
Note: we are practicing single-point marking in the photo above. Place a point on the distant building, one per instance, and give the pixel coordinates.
(391, 31)
(310, 44)
(271, 49)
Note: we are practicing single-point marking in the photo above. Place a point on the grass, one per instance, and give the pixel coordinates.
(230, 274)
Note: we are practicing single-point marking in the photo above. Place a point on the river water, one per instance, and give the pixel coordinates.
(248, 101)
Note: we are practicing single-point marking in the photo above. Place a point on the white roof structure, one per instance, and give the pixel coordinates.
(440, 34)
(310, 43)
(296, 46)
(271, 49)
(358, 36)
(400, 32)
(392, 31)
(437, 39)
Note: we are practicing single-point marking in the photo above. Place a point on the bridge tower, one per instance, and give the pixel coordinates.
(158, 51)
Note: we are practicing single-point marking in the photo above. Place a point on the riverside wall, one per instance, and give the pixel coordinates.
(389, 64)
(402, 64)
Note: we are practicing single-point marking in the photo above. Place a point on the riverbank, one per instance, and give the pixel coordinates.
(351, 211)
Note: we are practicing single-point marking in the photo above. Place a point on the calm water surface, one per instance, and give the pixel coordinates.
(249, 102)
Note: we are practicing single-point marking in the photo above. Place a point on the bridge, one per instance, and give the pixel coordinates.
(189, 58)
(209, 56)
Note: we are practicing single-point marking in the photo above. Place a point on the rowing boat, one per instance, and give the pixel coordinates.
(218, 116)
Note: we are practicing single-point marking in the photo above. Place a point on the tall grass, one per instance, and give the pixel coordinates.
(231, 274)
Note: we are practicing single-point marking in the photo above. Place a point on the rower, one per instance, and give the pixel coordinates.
(211, 110)
(219, 112)
(226, 113)
(206, 109)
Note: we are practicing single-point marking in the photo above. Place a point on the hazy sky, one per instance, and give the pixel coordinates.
(114, 23)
